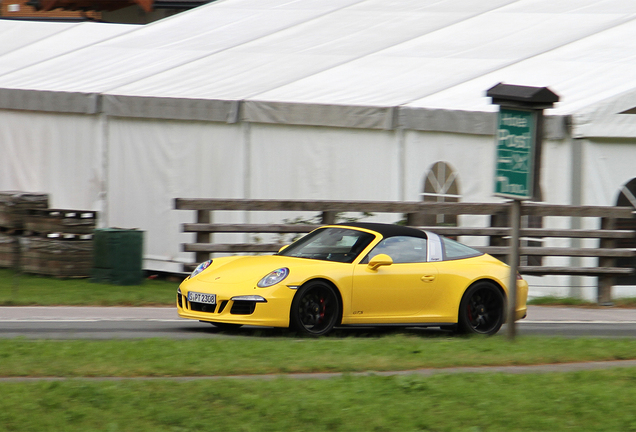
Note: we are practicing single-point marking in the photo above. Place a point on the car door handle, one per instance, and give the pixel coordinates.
(428, 278)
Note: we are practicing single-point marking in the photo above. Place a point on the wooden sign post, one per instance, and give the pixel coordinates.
(518, 140)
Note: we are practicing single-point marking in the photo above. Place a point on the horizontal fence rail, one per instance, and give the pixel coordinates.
(443, 230)
(535, 209)
(413, 213)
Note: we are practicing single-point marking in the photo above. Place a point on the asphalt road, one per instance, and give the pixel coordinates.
(135, 323)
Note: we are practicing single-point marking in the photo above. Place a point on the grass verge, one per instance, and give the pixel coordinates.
(248, 355)
(28, 290)
(580, 401)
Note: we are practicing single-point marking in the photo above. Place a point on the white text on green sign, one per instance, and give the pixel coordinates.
(515, 150)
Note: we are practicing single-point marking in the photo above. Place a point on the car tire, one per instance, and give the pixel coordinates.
(226, 326)
(482, 310)
(315, 310)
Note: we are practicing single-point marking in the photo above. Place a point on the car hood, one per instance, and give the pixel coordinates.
(230, 270)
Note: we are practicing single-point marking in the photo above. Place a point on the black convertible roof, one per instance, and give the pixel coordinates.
(387, 230)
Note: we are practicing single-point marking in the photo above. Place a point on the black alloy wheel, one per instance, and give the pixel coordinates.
(482, 309)
(315, 309)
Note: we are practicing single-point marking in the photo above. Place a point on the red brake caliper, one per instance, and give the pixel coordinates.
(322, 309)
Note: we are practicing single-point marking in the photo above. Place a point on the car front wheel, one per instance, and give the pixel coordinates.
(482, 309)
(315, 309)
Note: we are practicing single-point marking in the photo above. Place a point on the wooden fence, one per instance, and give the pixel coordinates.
(606, 249)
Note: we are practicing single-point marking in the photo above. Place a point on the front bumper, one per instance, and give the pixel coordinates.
(272, 313)
(521, 311)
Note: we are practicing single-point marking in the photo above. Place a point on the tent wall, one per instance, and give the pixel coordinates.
(151, 162)
(135, 167)
(607, 166)
(472, 156)
(58, 154)
(290, 162)
(598, 169)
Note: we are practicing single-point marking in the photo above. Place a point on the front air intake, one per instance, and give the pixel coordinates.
(243, 308)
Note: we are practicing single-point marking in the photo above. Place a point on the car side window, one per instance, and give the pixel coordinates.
(454, 250)
(402, 249)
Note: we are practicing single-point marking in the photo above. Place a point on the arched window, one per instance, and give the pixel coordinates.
(627, 198)
(627, 195)
(441, 184)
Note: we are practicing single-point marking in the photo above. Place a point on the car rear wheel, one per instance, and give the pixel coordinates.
(482, 310)
(315, 309)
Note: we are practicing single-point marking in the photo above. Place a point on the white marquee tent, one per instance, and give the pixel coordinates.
(308, 99)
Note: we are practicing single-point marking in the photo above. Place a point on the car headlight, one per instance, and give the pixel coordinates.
(253, 298)
(200, 268)
(273, 278)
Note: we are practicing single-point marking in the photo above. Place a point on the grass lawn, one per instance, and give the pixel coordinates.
(579, 401)
(29, 290)
(286, 354)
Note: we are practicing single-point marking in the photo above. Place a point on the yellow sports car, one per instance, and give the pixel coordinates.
(367, 274)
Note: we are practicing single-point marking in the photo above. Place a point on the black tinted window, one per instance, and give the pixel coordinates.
(402, 249)
(330, 244)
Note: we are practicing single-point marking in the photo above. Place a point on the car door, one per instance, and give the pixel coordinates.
(400, 290)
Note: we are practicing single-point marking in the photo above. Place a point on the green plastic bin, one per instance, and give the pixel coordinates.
(118, 256)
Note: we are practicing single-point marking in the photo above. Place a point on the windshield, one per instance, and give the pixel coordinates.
(330, 244)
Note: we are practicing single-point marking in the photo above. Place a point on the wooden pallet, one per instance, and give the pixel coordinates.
(14, 204)
(8, 251)
(57, 256)
(45, 221)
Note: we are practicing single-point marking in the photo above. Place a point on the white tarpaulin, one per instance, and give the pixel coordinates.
(24, 43)
(295, 62)
(189, 160)
(325, 99)
(59, 154)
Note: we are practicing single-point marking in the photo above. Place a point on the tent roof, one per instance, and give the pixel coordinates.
(419, 64)
(25, 43)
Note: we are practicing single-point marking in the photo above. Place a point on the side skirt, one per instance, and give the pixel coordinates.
(399, 325)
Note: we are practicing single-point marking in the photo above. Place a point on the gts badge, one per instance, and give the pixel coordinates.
(358, 312)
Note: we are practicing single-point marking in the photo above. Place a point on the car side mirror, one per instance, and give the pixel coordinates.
(379, 261)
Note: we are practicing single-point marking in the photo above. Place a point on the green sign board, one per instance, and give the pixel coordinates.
(516, 130)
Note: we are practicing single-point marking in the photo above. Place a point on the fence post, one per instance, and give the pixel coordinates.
(605, 282)
(203, 216)
(498, 220)
(415, 219)
(513, 262)
(329, 217)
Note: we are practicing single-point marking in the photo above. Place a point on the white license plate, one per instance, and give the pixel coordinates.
(201, 298)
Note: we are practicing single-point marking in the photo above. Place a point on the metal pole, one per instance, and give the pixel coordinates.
(515, 221)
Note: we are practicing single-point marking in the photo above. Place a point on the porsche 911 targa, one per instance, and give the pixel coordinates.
(367, 274)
